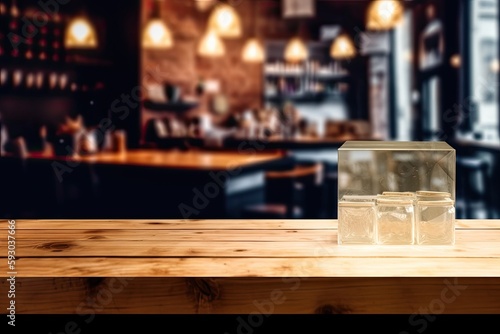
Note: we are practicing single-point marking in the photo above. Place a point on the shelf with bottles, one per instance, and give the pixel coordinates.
(298, 90)
(46, 82)
(29, 35)
(327, 71)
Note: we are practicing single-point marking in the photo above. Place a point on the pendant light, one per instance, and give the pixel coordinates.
(225, 21)
(156, 33)
(80, 34)
(211, 45)
(203, 5)
(343, 48)
(384, 14)
(253, 51)
(296, 50)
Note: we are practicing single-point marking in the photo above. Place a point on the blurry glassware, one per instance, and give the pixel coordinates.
(4, 75)
(63, 81)
(384, 14)
(253, 51)
(120, 141)
(173, 93)
(80, 34)
(343, 48)
(156, 92)
(29, 54)
(296, 51)
(88, 143)
(17, 77)
(19, 147)
(211, 45)
(30, 80)
(39, 80)
(225, 21)
(14, 10)
(52, 80)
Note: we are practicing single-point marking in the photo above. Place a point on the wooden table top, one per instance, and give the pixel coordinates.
(235, 248)
(195, 160)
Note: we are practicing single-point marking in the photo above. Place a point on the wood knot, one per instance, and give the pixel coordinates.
(333, 309)
(204, 291)
(93, 284)
(55, 246)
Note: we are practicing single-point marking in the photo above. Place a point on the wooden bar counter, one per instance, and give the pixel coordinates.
(244, 266)
(142, 183)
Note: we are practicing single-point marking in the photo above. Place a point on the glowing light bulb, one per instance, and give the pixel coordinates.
(157, 35)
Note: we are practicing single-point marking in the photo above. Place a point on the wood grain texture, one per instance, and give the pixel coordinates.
(211, 224)
(254, 267)
(476, 244)
(86, 297)
(230, 266)
(177, 235)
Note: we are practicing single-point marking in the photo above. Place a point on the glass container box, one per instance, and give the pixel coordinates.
(399, 180)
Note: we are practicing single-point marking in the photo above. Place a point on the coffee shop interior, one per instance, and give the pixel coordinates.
(196, 109)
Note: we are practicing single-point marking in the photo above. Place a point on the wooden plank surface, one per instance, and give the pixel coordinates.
(474, 245)
(131, 295)
(177, 224)
(232, 248)
(49, 235)
(254, 267)
(177, 235)
(211, 224)
(230, 266)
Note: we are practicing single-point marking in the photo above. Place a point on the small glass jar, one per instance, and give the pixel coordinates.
(432, 195)
(395, 221)
(357, 222)
(435, 222)
(398, 194)
(358, 198)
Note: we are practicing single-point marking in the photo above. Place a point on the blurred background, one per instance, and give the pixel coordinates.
(135, 109)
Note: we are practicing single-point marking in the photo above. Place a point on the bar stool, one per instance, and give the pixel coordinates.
(295, 193)
(472, 188)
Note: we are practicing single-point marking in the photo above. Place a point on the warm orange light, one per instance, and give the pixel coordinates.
(495, 66)
(225, 21)
(343, 48)
(80, 34)
(456, 61)
(296, 51)
(157, 35)
(253, 51)
(211, 45)
(384, 14)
